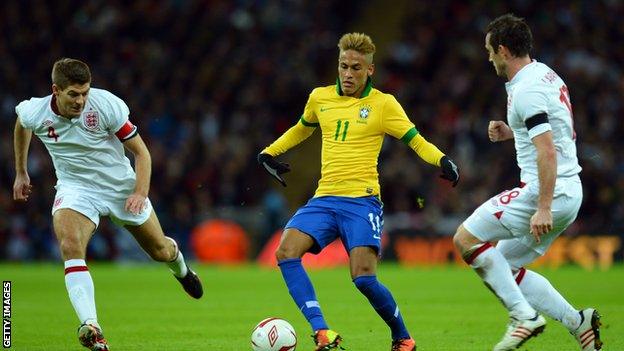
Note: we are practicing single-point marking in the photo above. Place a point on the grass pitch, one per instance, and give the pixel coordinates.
(141, 307)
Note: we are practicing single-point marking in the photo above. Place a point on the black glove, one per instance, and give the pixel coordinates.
(274, 167)
(450, 171)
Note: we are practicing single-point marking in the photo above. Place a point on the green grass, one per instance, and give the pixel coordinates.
(141, 307)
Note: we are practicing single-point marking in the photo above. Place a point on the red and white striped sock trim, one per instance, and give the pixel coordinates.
(520, 275)
(478, 251)
(76, 269)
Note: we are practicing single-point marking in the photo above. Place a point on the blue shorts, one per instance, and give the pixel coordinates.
(358, 221)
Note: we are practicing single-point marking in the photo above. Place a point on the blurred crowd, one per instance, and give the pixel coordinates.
(210, 83)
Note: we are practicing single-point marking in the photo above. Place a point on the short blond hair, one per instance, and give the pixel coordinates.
(359, 42)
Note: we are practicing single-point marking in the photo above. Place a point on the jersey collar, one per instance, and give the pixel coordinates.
(522, 72)
(53, 105)
(365, 92)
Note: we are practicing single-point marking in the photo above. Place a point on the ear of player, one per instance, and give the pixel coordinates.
(274, 167)
(450, 171)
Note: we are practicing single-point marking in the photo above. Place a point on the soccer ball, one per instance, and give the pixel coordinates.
(273, 334)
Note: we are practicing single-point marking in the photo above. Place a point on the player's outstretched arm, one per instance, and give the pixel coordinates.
(143, 168)
(21, 143)
(432, 155)
(499, 131)
(292, 137)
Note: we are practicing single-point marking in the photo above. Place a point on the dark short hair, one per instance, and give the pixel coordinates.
(67, 71)
(511, 32)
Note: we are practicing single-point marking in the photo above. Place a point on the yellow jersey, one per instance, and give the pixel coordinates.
(353, 130)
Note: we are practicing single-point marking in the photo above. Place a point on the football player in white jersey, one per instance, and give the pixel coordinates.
(85, 131)
(525, 220)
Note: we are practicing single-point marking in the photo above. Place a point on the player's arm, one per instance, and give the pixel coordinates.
(432, 155)
(133, 142)
(542, 221)
(292, 137)
(396, 123)
(21, 143)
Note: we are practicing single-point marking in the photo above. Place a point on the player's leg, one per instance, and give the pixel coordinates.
(293, 245)
(73, 231)
(496, 274)
(161, 248)
(309, 230)
(493, 268)
(363, 265)
(500, 218)
(539, 292)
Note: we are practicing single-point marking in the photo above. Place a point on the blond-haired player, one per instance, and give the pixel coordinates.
(354, 118)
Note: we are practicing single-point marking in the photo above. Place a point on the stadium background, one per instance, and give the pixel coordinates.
(210, 83)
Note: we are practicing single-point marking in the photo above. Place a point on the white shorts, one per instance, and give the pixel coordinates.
(97, 204)
(507, 215)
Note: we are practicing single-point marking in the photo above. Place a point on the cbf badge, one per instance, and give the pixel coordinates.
(91, 120)
(365, 111)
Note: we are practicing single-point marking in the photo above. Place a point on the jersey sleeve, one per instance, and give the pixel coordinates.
(532, 106)
(309, 118)
(24, 116)
(117, 112)
(394, 120)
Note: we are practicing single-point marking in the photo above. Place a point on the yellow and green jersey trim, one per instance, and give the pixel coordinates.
(409, 135)
(308, 124)
(365, 92)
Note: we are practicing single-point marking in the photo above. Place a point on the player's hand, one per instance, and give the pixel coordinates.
(21, 187)
(450, 171)
(274, 167)
(541, 223)
(499, 131)
(135, 204)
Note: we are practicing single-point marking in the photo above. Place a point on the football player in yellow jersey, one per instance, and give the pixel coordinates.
(354, 118)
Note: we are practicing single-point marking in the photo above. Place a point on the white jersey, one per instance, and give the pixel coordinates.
(85, 150)
(536, 89)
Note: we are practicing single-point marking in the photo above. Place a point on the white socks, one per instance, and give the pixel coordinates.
(177, 266)
(80, 289)
(493, 268)
(545, 298)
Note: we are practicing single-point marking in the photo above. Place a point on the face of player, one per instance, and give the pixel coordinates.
(496, 58)
(71, 100)
(353, 71)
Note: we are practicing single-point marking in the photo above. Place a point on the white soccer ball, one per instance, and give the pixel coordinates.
(273, 334)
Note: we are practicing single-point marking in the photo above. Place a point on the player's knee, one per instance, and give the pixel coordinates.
(285, 251)
(71, 247)
(458, 238)
(463, 240)
(161, 253)
(362, 270)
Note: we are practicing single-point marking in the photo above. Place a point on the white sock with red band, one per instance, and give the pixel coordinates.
(492, 267)
(177, 266)
(546, 299)
(80, 289)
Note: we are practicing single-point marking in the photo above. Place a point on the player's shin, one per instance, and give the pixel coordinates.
(301, 289)
(382, 301)
(81, 290)
(492, 267)
(546, 299)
